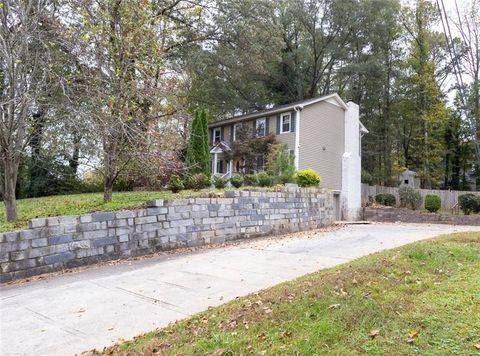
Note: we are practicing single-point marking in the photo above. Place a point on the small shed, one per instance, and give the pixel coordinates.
(409, 178)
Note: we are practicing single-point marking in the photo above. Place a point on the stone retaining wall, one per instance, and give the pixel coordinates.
(52, 244)
(410, 216)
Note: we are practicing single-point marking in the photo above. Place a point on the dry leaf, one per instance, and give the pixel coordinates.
(219, 352)
(334, 306)
(413, 333)
(477, 346)
(374, 333)
(262, 337)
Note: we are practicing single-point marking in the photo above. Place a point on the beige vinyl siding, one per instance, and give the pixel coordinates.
(322, 125)
(285, 138)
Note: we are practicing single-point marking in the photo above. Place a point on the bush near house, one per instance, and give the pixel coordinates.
(386, 199)
(433, 203)
(219, 182)
(175, 184)
(265, 180)
(198, 181)
(236, 181)
(250, 180)
(280, 163)
(307, 178)
(410, 198)
(469, 203)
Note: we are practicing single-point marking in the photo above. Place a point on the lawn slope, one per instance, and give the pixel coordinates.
(423, 298)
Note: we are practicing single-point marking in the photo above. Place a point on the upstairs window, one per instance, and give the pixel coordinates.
(261, 126)
(217, 134)
(236, 129)
(285, 123)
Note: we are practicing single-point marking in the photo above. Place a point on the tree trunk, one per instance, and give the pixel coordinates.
(9, 198)
(107, 189)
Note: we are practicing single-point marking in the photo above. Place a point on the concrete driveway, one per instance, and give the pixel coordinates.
(71, 313)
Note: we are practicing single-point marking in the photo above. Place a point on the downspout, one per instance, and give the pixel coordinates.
(296, 151)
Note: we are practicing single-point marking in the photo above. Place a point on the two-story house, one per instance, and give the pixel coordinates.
(323, 133)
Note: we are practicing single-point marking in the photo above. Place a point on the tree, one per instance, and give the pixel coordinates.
(281, 162)
(23, 74)
(198, 153)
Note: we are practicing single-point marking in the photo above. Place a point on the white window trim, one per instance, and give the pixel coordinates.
(219, 130)
(258, 121)
(289, 125)
(238, 124)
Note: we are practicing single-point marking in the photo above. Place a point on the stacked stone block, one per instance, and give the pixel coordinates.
(56, 243)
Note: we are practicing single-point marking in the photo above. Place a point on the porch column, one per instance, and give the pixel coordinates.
(231, 168)
(215, 163)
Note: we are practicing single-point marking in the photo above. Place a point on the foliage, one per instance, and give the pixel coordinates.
(247, 147)
(469, 203)
(198, 181)
(281, 318)
(219, 182)
(265, 180)
(236, 181)
(307, 178)
(175, 184)
(410, 197)
(250, 180)
(433, 203)
(386, 199)
(280, 163)
(198, 153)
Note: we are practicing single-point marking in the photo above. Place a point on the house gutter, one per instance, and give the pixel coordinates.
(298, 109)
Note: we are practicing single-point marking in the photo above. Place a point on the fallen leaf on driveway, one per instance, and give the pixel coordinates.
(81, 310)
(374, 333)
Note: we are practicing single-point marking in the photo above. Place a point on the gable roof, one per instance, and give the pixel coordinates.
(331, 98)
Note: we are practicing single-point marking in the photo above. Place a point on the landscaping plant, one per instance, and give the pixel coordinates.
(219, 182)
(469, 203)
(386, 199)
(307, 178)
(250, 180)
(199, 181)
(265, 180)
(175, 184)
(280, 163)
(433, 203)
(198, 152)
(236, 181)
(410, 198)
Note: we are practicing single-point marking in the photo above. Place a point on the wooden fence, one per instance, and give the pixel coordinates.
(449, 197)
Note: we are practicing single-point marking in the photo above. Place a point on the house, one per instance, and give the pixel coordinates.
(324, 134)
(409, 178)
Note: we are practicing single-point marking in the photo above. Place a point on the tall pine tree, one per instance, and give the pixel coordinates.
(198, 153)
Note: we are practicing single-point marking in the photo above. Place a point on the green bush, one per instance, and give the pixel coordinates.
(219, 182)
(199, 181)
(307, 178)
(410, 198)
(236, 181)
(386, 199)
(281, 163)
(433, 203)
(175, 184)
(250, 180)
(469, 203)
(265, 180)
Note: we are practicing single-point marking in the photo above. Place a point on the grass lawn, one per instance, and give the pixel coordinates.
(76, 204)
(423, 298)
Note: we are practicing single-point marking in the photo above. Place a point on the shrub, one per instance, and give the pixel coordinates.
(410, 198)
(265, 180)
(219, 182)
(199, 181)
(281, 163)
(307, 178)
(236, 181)
(250, 180)
(469, 203)
(175, 184)
(386, 199)
(432, 203)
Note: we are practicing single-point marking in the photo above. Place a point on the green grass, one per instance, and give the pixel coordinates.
(431, 288)
(76, 204)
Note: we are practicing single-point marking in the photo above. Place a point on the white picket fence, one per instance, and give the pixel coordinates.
(449, 197)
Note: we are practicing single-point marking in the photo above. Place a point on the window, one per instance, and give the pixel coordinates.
(220, 166)
(260, 163)
(261, 127)
(236, 128)
(217, 134)
(285, 123)
(406, 181)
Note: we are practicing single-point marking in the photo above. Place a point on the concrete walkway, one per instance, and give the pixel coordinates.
(72, 313)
